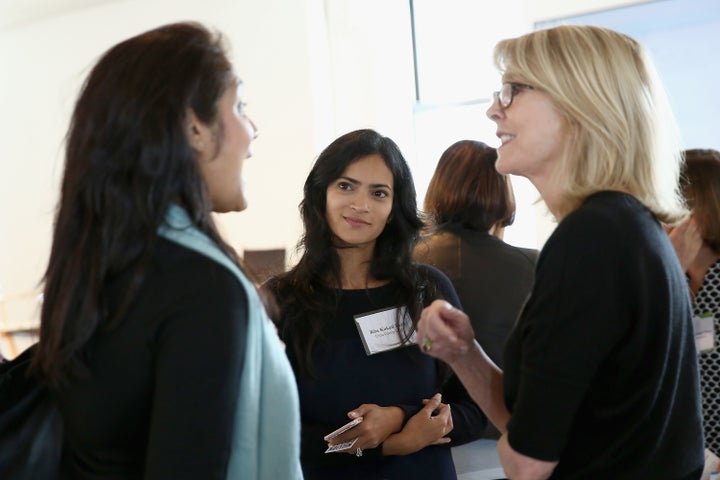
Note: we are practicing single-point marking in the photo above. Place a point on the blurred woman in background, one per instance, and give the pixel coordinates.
(468, 204)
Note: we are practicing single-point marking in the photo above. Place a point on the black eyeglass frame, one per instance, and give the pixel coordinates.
(508, 91)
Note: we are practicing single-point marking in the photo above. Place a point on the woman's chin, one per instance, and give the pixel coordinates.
(238, 205)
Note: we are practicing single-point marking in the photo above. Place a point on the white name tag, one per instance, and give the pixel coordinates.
(704, 327)
(378, 330)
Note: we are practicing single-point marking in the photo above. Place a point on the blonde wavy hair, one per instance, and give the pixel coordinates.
(622, 133)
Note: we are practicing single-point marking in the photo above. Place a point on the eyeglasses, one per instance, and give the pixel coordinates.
(508, 91)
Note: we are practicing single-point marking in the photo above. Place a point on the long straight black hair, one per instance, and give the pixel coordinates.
(127, 159)
(307, 305)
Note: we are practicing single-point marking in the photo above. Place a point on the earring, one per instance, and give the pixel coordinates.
(200, 145)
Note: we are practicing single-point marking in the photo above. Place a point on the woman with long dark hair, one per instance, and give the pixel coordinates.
(347, 314)
(155, 344)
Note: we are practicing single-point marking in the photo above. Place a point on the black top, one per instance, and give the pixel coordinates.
(601, 372)
(492, 279)
(161, 397)
(346, 377)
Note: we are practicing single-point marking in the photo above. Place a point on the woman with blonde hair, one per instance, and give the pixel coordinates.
(601, 375)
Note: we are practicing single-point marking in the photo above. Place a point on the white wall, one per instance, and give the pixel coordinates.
(273, 45)
(312, 69)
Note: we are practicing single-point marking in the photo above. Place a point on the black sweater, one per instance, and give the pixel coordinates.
(601, 372)
(163, 387)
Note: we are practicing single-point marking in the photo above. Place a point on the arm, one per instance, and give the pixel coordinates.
(453, 341)
(521, 467)
(428, 427)
(469, 421)
(378, 422)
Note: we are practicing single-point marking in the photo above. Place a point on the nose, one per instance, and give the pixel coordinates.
(359, 205)
(494, 111)
(254, 127)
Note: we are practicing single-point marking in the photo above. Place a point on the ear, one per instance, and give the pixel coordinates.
(199, 135)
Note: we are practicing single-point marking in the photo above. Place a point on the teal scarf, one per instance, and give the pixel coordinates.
(266, 439)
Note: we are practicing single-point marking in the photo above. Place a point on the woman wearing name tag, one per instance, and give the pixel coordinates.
(347, 312)
(697, 243)
(156, 346)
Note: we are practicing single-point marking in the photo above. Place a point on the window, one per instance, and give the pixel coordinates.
(453, 42)
(454, 77)
(682, 37)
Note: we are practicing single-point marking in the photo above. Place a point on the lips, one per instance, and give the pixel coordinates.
(356, 222)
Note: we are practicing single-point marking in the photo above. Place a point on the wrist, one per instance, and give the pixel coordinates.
(469, 359)
(397, 418)
(399, 444)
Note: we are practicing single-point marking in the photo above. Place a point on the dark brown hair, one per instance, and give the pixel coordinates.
(466, 189)
(701, 187)
(127, 159)
(308, 307)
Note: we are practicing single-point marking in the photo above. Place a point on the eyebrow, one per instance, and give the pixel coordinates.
(358, 182)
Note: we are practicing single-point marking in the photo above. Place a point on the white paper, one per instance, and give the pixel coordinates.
(378, 330)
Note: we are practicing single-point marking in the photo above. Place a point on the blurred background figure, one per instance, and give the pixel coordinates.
(697, 242)
(468, 205)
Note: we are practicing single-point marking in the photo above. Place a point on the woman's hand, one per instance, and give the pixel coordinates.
(444, 332)
(427, 427)
(377, 425)
(687, 240)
